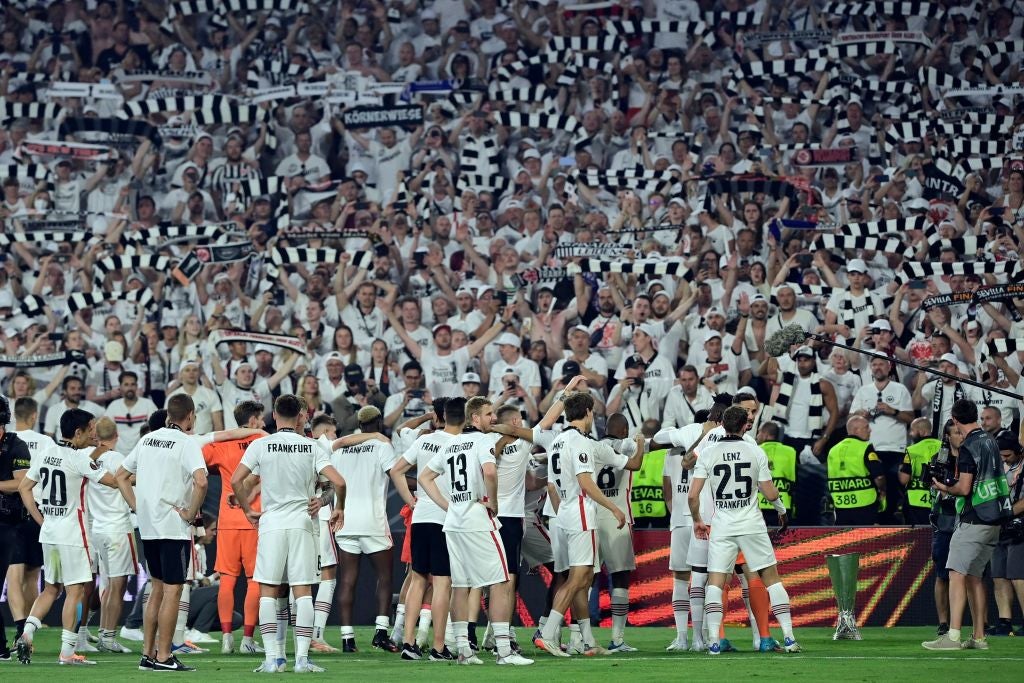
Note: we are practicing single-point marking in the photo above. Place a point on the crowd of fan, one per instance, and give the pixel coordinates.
(455, 271)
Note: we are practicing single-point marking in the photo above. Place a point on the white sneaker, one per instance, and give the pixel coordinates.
(514, 659)
(195, 636)
(308, 667)
(251, 647)
(133, 634)
(677, 646)
(472, 659)
(227, 644)
(85, 646)
(113, 646)
(698, 646)
(268, 668)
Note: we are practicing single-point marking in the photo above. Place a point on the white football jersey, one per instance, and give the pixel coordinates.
(512, 467)
(419, 454)
(163, 463)
(108, 510)
(37, 445)
(616, 482)
(289, 466)
(63, 474)
(707, 508)
(462, 461)
(572, 454)
(733, 468)
(683, 438)
(365, 469)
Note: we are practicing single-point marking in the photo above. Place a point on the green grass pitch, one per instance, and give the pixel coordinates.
(884, 654)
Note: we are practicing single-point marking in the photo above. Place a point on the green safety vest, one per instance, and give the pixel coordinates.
(849, 481)
(647, 498)
(919, 454)
(782, 461)
(990, 492)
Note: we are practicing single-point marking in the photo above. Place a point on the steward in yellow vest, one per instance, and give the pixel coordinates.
(782, 461)
(920, 497)
(856, 477)
(647, 498)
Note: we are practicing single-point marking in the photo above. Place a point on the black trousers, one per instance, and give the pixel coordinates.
(8, 537)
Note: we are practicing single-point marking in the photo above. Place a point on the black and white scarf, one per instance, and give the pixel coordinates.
(940, 388)
(815, 409)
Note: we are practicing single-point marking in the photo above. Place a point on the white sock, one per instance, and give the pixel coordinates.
(31, 625)
(449, 633)
(281, 605)
(549, 631)
(382, 622)
(396, 633)
(681, 607)
(322, 607)
(755, 635)
(179, 626)
(620, 610)
(68, 642)
(954, 634)
(713, 611)
(502, 638)
(779, 599)
(461, 629)
(540, 623)
(697, 582)
(83, 636)
(347, 632)
(586, 632)
(303, 627)
(268, 629)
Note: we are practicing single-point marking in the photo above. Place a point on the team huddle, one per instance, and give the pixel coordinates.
(298, 510)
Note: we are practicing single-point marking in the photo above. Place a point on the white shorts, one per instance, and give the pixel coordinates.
(287, 556)
(680, 549)
(536, 550)
(325, 541)
(583, 551)
(697, 554)
(364, 545)
(757, 551)
(615, 545)
(559, 546)
(116, 554)
(66, 564)
(477, 558)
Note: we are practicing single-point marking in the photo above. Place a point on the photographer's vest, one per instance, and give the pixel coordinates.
(647, 497)
(849, 481)
(919, 454)
(782, 461)
(990, 492)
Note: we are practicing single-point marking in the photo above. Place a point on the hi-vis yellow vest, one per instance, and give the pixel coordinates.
(919, 495)
(647, 498)
(782, 460)
(849, 481)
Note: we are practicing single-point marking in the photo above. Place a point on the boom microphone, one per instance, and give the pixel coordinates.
(778, 344)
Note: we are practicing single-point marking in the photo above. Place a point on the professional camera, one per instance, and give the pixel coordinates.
(1012, 532)
(942, 466)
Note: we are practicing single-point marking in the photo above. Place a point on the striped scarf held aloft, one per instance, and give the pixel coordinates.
(815, 409)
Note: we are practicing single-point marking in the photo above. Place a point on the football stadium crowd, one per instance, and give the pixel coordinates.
(383, 204)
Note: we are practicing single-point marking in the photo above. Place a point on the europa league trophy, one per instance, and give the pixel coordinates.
(842, 569)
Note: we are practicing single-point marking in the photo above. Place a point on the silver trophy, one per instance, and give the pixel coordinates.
(842, 569)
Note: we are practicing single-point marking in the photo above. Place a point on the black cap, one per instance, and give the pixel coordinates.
(570, 369)
(636, 361)
(353, 373)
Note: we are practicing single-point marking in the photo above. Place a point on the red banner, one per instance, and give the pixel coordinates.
(895, 580)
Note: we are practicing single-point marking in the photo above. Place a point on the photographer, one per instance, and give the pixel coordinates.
(942, 517)
(636, 398)
(1007, 568)
(983, 504)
